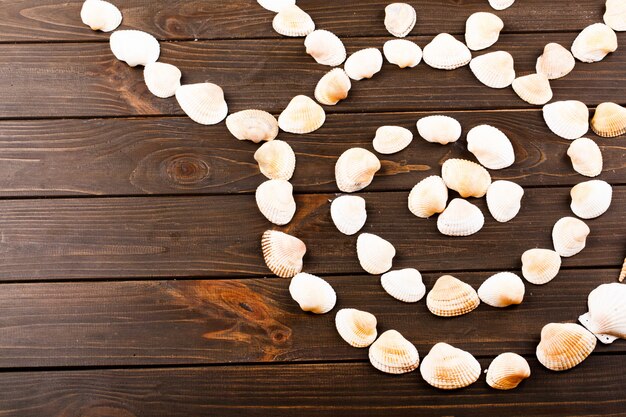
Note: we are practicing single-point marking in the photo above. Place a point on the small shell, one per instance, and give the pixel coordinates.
(460, 218)
(402, 53)
(375, 253)
(283, 253)
(391, 139)
(204, 102)
(325, 47)
(293, 21)
(445, 52)
(275, 201)
(252, 125)
(393, 354)
(348, 213)
(451, 297)
(502, 290)
(490, 146)
(302, 115)
(569, 236)
(439, 129)
(568, 119)
(312, 293)
(400, 18)
(276, 160)
(594, 43)
(615, 15)
(494, 69)
(482, 30)
(275, 5)
(162, 79)
(134, 47)
(507, 370)
(363, 64)
(447, 367)
(465, 177)
(100, 15)
(540, 266)
(609, 120)
(564, 345)
(504, 200)
(404, 285)
(356, 327)
(555, 62)
(501, 4)
(355, 169)
(606, 318)
(429, 196)
(591, 199)
(333, 87)
(533, 89)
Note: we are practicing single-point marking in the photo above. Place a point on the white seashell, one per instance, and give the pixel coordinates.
(568, 119)
(615, 15)
(404, 285)
(540, 266)
(393, 354)
(533, 89)
(333, 87)
(312, 293)
(252, 125)
(355, 169)
(586, 157)
(447, 367)
(594, 43)
(429, 196)
(356, 327)
(275, 5)
(400, 19)
(134, 47)
(348, 213)
(402, 53)
(375, 253)
(555, 62)
(325, 47)
(162, 79)
(490, 146)
(607, 312)
(482, 30)
(609, 120)
(292, 21)
(569, 236)
(502, 290)
(276, 160)
(465, 177)
(439, 129)
(564, 345)
(275, 201)
(501, 4)
(591, 199)
(283, 253)
(507, 371)
(494, 69)
(460, 218)
(363, 64)
(100, 15)
(445, 52)
(391, 139)
(451, 297)
(302, 115)
(204, 102)
(504, 200)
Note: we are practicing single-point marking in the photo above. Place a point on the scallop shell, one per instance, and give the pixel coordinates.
(568, 119)
(100, 15)
(439, 129)
(312, 293)
(302, 115)
(606, 318)
(325, 47)
(402, 53)
(494, 69)
(609, 120)
(540, 266)
(501, 4)
(283, 253)
(134, 47)
(162, 79)
(555, 62)
(363, 64)
(591, 199)
(594, 43)
(400, 18)
(451, 297)
(445, 52)
(569, 236)
(355, 169)
(391, 139)
(348, 213)
(404, 285)
(204, 102)
(507, 370)
(275, 201)
(490, 146)
(502, 290)
(504, 200)
(460, 218)
(482, 30)
(292, 21)
(429, 196)
(393, 354)
(564, 345)
(333, 87)
(276, 160)
(252, 125)
(447, 367)
(275, 5)
(465, 177)
(375, 253)
(533, 89)
(615, 15)
(356, 327)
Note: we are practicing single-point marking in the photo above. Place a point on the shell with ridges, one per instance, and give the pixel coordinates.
(402, 52)
(275, 201)
(568, 119)
(134, 47)
(490, 146)
(405, 285)
(253, 125)
(400, 18)
(533, 89)
(451, 297)
(460, 218)
(482, 30)
(609, 120)
(292, 21)
(391, 139)
(100, 15)
(283, 253)
(555, 62)
(502, 290)
(393, 354)
(494, 69)
(363, 64)
(591, 199)
(348, 213)
(355, 169)
(507, 371)
(504, 200)
(203, 102)
(276, 160)
(312, 293)
(465, 177)
(439, 129)
(375, 253)
(615, 15)
(325, 47)
(447, 53)
(569, 236)
(594, 43)
(447, 367)
(540, 266)
(564, 345)
(301, 116)
(501, 4)
(429, 196)
(606, 318)
(333, 87)
(356, 327)
(275, 5)
(162, 79)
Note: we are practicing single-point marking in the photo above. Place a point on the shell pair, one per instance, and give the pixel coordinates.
(100, 15)
(283, 253)
(312, 293)
(451, 297)
(404, 285)
(607, 312)
(460, 218)
(204, 103)
(276, 160)
(439, 129)
(465, 177)
(564, 345)
(393, 354)
(494, 69)
(355, 169)
(591, 199)
(301, 116)
(447, 367)
(540, 266)
(134, 47)
(594, 43)
(609, 120)
(504, 200)
(491, 147)
(375, 253)
(275, 201)
(447, 53)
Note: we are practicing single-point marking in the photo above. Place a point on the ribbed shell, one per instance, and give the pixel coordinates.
(447, 53)
(276, 160)
(494, 69)
(591, 199)
(356, 327)
(375, 253)
(275, 5)
(427, 197)
(609, 120)
(325, 47)
(567, 119)
(391, 139)
(312, 293)
(292, 21)
(564, 345)
(393, 354)
(502, 290)
(451, 297)
(607, 312)
(283, 253)
(400, 19)
(275, 201)
(465, 177)
(253, 125)
(533, 89)
(460, 218)
(491, 147)
(507, 371)
(482, 30)
(355, 169)
(162, 79)
(363, 64)
(204, 102)
(402, 52)
(615, 14)
(447, 367)
(540, 266)
(100, 15)
(504, 200)
(302, 115)
(569, 236)
(586, 157)
(134, 47)
(439, 129)
(348, 213)
(333, 87)
(501, 4)
(405, 285)
(594, 43)
(555, 62)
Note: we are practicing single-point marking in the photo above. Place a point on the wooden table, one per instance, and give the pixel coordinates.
(132, 278)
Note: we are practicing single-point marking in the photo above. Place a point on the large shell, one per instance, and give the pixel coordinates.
(348, 213)
(162, 79)
(302, 115)
(356, 327)
(363, 64)
(533, 89)
(312, 293)
(393, 354)
(325, 47)
(429, 196)
(586, 157)
(447, 367)
(276, 160)
(482, 30)
(568, 119)
(507, 370)
(591, 199)
(391, 139)
(375, 253)
(607, 312)
(460, 218)
(293, 21)
(439, 129)
(504, 200)
(501, 4)
(253, 125)
(555, 62)
(204, 102)
(609, 120)
(494, 69)
(355, 169)
(615, 14)
(502, 290)
(400, 19)
(283, 253)
(569, 236)
(564, 345)
(404, 285)
(402, 52)
(451, 297)
(134, 47)
(447, 53)
(275, 201)
(275, 5)
(490, 146)
(540, 266)
(333, 87)
(465, 177)
(100, 15)
(594, 43)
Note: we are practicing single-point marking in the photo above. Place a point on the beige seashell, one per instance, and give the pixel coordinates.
(482, 30)
(302, 115)
(591, 199)
(465, 177)
(356, 327)
(429, 196)
(606, 318)
(402, 53)
(507, 371)
(204, 102)
(569, 236)
(540, 266)
(405, 285)
(355, 169)
(391, 139)
(292, 21)
(594, 43)
(312, 293)
(333, 87)
(615, 15)
(363, 64)
(252, 125)
(276, 160)
(451, 297)
(400, 18)
(490, 146)
(134, 47)
(504, 200)
(275, 201)
(439, 129)
(555, 62)
(502, 290)
(494, 69)
(162, 79)
(447, 367)
(393, 354)
(375, 253)
(275, 5)
(501, 4)
(445, 52)
(283, 253)
(564, 345)
(100, 15)
(568, 119)
(348, 213)
(533, 89)
(609, 120)
(460, 218)
(325, 47)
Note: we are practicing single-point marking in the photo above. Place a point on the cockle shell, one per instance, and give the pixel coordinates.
(569, 236)
(400, 19)
(568, 119)
(348, 213)
(504, 200)
(404, 285)
(393, 354)
(507, 371)
(439, 129)
(451, 297)
(302, 115)
(375, 253)
(594, 43)
(591, 199)
(204, 102)
(333, 87)
(312, 293)
(325, 47)
(564, 345)
(494, 69)
(615, 15)
(501, 4)
(460, 218)
(275, 201)
(402, 53)
(134, 47)
(533, 89)
(482, 30)
(445, 52)
(162, 79)
(356, 327)
(283, 253)
(606, 318)
(502, 290)
(490, 146)
(363, 64)
(253, 125)
(540, 266)
(275, 5)
(465, 177)
(555, 62)
(447, 367)
(276, 160)
(429, 196)
(391, 139)
(609, 120)
(100, 15)
(292, 21)
(355, 169)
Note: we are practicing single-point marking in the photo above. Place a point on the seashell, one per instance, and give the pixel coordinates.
(404, 285)
(302, 115)
(400, 19)
(501, 4)
(590, 199)
(564, 345)
(363, 64)
(569, 236)
(275, 5)
(439, 129)
(507, 370)
(393, 354)
(615, 15)
(540, 266)
(356, 327)
(555, 62)
(134, 47)
(275, 201)
(312, 293)
(502, 290)
(465, 177)
(333, 87)
(460, 218)
(451, 297)
(283, 253)
(375, 253)
(348, 213)
(447, 367)
(252, 125)
(402, 53)
(276, 160)
(622, 273)
(504, 200)
(429, 196)
(490, 146)
(391, 139)
(494, 69)
(204, 102)
(100, 15)
(292, 21)
(482, 30)
(568, 119)
(355, 169)
(609, 120)
(606, 318)
(445, 52)
(594, 43)
(162, 79)
(325, 47)
(533, 89)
